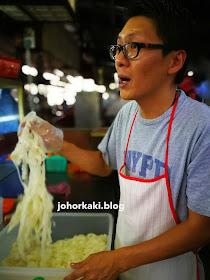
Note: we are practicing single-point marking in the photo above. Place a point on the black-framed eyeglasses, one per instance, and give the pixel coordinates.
(131, 49)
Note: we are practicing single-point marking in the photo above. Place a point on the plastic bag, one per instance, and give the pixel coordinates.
(51, 138)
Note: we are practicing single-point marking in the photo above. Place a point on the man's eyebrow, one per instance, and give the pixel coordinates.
(130, 34)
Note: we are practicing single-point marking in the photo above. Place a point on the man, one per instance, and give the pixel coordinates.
(160, 144)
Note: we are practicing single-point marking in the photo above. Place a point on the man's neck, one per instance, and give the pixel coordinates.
(154, 105)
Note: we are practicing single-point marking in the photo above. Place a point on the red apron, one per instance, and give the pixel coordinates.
(148, 212)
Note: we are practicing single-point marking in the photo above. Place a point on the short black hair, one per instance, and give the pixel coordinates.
(174, 25)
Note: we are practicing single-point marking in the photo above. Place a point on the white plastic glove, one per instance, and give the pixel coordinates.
(51, 138)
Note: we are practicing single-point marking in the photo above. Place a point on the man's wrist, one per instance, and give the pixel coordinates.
(123, 259)
(64, 147)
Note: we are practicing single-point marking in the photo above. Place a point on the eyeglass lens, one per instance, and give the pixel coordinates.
(130, 50)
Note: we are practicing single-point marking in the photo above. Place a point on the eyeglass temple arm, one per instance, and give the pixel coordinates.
(155, 46)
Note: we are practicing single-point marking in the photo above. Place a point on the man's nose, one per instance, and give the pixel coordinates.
(121, 60)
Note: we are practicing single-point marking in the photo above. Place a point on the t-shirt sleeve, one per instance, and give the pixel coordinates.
(198, 176)
(108, 145)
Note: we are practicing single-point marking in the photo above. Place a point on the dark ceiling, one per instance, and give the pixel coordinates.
(96, 22)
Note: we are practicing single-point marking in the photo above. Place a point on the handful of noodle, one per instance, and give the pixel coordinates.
(33, 247)
(34, 211)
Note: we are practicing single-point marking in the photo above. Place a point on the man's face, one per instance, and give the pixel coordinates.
(146, 74)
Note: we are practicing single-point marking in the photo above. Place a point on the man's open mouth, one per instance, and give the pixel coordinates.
(124, 80)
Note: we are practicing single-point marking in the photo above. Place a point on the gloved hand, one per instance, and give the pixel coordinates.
(50, 136)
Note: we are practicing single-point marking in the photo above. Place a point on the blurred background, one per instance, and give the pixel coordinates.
(66, 74)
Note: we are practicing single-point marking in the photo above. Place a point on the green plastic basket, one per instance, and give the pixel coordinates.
(56, 163)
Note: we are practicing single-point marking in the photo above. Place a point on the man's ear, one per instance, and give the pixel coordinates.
(177, 61)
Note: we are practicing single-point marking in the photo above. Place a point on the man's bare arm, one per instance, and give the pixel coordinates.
(89, 161)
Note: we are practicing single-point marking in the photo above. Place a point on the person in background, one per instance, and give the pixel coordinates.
(159, 143)
(190, 85)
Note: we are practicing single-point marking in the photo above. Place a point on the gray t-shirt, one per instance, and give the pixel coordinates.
(188, 157)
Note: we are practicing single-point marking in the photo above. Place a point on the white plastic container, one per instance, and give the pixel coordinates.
(67, 225)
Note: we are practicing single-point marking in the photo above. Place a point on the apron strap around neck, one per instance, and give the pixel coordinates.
(169, 132)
